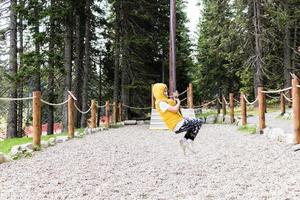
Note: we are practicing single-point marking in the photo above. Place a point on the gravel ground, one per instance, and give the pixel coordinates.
(273, 121)
(137, 163)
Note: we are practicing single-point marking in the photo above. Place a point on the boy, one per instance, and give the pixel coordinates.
(169, 112)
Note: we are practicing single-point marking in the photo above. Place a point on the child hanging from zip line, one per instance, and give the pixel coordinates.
(170, 114)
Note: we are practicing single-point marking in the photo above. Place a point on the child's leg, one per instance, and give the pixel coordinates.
(191, 126)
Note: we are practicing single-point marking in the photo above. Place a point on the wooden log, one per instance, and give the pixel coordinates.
(36, 118)
(282, 104)
(261, 109)
(130, 122)
(296, 110)
(71, 116)
(107, 113)
(243, 109)
(231, 105)
(223, 106)
(191, 106)
(93, 114)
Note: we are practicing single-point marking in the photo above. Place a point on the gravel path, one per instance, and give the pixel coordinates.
(273, 121)
(136, 163)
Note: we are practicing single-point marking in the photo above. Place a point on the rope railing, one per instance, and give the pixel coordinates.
(272, 97)
(16, 99)
(82, 112)
(219, 100)
(136, 108)
(287, 98)
(208, 103)
(103, 106)
(55, 104)
(179, 94)
(276, 91)
(236, 100)
(225, 101)
(248, 102)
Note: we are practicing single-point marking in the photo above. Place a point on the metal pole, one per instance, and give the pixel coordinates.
(172, 49)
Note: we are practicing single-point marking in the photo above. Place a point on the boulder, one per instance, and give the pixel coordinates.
(4, 158)
(220, 118)
(289, 139)
(140, 122)
(77, 134)
(61, 139)
(51, 141)
(130, 122)
(27, 146)
(211, 119)
(15, 151)
(44, 144)
(227, 120)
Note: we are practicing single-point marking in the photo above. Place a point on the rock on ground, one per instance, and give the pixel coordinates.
(137, 163)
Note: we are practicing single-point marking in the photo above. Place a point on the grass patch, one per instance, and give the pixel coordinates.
(206, 114)
(115, 125)
(249, 129)
(7, 144)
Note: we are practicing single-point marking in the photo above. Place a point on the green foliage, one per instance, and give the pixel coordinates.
(6, 145)
(249, 129)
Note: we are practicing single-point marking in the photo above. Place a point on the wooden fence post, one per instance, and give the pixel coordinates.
(261, 109)
(231, 104)
(93, 114)
(120, 112)
(107, 113)
(36, 118)
(296, 109)
(191, 101)
(114, 114)
(188, 97)
(71, 112)
(223, 106)
(243, 109)
(282, 104)
(152, 98)
(218, 101)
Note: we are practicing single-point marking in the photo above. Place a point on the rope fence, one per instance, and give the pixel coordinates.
(248, 102)
(55, 104)
(115, 114)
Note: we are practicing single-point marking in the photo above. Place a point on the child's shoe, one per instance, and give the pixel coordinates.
(183, 144)
(190, 145)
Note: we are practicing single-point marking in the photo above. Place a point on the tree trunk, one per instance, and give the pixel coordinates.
(86, 61)
(117, 53)
(67, 64)
(79, 38)
(100, 92)
(286, 49)
(37, 76)
(20, 84)
(294, 47)
(124, 90)
(258, 76)
(116, 69)
(12, 112)
(50, 120)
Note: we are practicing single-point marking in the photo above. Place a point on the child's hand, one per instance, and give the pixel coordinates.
(175, 94)
(178, 101)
